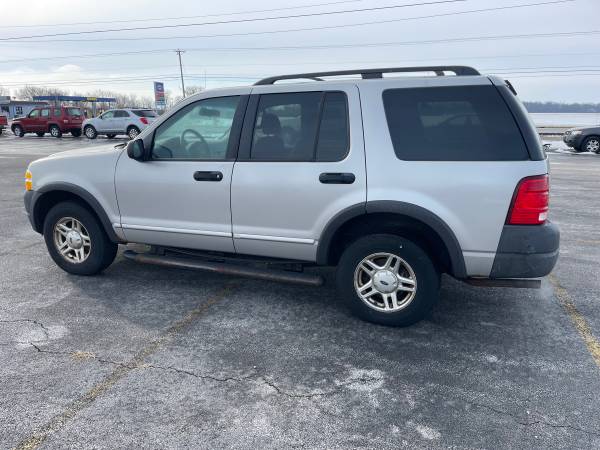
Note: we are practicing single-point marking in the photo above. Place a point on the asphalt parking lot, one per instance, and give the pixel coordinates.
(143, 356)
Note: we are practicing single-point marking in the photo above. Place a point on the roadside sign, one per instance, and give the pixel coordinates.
(159, 95)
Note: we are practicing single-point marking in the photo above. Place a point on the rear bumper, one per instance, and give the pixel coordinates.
(526, 251)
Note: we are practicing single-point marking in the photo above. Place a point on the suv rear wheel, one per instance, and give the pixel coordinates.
(132, 132)
(90, 132)
(591, 144)
(18, 130)
(55, 131)
(388, 279)
(76, 241)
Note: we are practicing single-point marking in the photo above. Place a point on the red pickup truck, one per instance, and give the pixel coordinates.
(3, 123)
(50, 119)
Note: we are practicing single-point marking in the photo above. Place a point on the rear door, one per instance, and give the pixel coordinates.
(42, 122)
(121, 121)
(301, 162)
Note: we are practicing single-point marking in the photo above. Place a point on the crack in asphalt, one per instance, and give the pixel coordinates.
(527, 423)
(250, 378)
(56, 423)
(36, 322)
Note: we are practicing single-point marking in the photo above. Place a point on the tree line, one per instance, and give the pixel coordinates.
(555, 107)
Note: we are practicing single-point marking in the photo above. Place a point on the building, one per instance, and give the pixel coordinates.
(18, 108)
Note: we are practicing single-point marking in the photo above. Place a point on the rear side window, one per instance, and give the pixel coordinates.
(454, 123)
(45, 113)
(144, 113)
(121, 114)
(74, 112)
(301, 126)
(57, 112)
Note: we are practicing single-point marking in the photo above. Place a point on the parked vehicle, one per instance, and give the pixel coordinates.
(393, 180)
(583, 139)
(119, 121)
(55, 120)
(3, 123)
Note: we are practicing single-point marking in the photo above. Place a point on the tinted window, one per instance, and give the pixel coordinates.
(333, 140)
(286, 127)
(463, 123)
(45, 113)
(57, 112)
(121, 114)
(74, 112)
(144, 113)
(198, 131)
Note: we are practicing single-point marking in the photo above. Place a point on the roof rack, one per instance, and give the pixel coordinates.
(371, 73)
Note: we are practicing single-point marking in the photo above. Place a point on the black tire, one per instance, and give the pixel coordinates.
(90, 132)
(426, 275)
(18, 130)
(102, 251)
(40, 133)
(590, 141)
(132, 132)
(76, 132)
(54, 131)
(110, 136)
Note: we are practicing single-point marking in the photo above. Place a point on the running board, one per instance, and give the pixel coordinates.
(505, 282)
(226, 268)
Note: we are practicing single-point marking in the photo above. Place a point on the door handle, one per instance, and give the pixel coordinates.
(208, 176)
(337, 178)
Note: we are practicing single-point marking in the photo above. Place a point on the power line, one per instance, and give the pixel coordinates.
(256, 11)
(290, 30)
(220, 22)
(325, 46)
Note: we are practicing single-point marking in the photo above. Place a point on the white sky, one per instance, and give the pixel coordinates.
(574, 59)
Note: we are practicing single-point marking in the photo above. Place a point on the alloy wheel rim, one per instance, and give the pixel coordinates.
(89, 132)
(54, 132)
(133, 133)
(593, 145)
(385, 282)
(72, 240)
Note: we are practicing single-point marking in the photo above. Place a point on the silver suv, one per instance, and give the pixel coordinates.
(119, 121)
(394, 180)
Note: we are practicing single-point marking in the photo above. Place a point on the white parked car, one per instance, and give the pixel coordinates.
(119, 121)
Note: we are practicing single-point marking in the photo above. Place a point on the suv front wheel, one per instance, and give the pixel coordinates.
(76, 241)
(90, 132)
(591, 144)
(387, 279)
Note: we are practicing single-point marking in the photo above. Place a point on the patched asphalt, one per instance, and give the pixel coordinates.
(150, 357)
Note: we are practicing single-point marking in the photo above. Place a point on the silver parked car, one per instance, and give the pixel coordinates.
(119, 121)
(394, 180)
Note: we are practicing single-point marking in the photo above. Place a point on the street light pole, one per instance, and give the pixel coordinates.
(179, 52)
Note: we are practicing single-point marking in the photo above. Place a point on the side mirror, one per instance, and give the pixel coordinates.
(135, 150)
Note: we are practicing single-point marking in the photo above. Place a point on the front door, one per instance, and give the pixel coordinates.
(301, 162)
(181, 196)
(107, 122)
(30, 122)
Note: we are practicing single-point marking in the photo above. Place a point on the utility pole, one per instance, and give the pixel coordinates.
(179, 52)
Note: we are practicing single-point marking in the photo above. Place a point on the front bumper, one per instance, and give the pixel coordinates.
(572, 140)
(28, 200)
(526, 251)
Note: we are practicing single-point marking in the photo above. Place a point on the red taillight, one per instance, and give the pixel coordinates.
(530, 202)
(144, 120)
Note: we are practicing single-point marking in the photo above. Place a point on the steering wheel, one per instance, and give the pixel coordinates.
(199, 148)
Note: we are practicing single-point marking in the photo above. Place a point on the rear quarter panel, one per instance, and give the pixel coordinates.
(471, 197)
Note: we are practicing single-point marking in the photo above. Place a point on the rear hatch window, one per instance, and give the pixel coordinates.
(452, 123)
(144, 113)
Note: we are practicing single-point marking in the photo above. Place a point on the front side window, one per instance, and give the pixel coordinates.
(108, 115)
(35, 113)
(199, 131)
(301, 126)
(454, 123)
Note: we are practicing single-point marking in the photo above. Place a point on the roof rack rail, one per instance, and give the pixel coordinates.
(371, 73)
